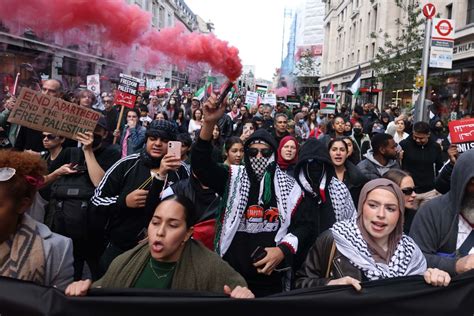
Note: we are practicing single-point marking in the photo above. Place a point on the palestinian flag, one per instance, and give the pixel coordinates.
(203, 91)
(354, 85)
(329, 89)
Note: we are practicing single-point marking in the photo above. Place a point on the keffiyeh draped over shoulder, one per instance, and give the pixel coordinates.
(406, 260)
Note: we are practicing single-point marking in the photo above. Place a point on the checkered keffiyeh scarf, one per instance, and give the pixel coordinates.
(407, 259)
(259, 165)
(288, 195)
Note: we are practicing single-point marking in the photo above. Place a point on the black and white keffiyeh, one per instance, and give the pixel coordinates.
(407, 259)
(339, 194)
(260, 164)
(288, 195)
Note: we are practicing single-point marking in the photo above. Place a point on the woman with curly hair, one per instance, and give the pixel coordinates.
(28, 249)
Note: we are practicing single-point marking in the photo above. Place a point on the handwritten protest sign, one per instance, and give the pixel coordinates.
(127, 91)
(251, 98)
(462, 134)
(53, 115)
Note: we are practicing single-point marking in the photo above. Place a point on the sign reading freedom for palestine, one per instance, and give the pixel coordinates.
(53, 115)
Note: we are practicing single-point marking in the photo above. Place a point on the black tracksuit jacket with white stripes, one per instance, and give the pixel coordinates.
(127, 225)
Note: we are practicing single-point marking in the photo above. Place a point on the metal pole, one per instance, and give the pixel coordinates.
(421, 113)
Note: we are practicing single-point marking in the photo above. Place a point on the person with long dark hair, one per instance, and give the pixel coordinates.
(170, 259)
(346, 171)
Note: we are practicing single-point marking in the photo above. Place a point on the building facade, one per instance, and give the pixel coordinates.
(452, 90)
(349, 26)
(51, 58)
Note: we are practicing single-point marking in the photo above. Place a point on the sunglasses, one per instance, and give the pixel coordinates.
(50, 137)
(408, 191)
(253, 152)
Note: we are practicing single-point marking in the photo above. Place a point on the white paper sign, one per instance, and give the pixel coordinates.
(270, 98)
(251, 98)
(93, 83)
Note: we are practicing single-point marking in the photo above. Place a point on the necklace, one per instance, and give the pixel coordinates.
(163, 275)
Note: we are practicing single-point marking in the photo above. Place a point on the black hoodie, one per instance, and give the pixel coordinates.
(322, 214)
(435, 226)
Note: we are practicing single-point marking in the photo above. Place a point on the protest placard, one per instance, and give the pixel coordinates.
(127, 91)
(53, 115)
(462, 134)
(270, 98)
(251, 98)
(93, 83)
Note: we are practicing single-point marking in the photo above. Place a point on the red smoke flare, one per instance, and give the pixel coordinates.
(119, 24)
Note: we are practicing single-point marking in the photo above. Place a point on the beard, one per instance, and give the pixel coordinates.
(467, 208)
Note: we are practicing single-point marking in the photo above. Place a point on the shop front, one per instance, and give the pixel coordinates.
(452, 90)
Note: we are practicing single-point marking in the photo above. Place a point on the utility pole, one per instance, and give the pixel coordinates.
(421, 113)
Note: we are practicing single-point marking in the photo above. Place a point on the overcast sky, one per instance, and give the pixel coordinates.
(255, 27)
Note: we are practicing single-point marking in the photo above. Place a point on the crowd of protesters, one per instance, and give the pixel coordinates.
(259, 199)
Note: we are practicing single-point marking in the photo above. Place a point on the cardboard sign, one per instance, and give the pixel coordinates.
(251, 98)
(93, 83)
(127, 92)
(462, 134)
(261, 90)
(270, 98)
(53, 115)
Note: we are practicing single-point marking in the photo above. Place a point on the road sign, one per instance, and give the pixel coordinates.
(429, 10)
(442, 43)
(443, 29)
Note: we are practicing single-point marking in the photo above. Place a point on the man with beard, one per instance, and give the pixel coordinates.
(443, 226)
(381, 158)
(123, 191)
(260, 221)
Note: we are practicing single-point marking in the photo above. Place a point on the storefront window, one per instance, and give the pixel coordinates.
(451, 92)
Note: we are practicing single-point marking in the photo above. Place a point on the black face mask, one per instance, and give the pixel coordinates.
(97, 141)
(357, 131)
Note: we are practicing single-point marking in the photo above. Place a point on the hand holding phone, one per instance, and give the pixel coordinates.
(174, 148)
(258, 254)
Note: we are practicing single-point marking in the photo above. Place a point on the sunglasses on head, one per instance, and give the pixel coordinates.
(408, 191)
(253, 152)
(50, 136)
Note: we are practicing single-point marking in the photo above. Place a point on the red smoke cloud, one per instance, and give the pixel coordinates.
(117, 24)
(282, 92)
(193, 47)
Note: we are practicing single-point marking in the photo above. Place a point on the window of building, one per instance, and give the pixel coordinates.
(161, 17)
(366, 55)
(374, 27)
(358, 56)
(368, 24)
(155, 12)
(470, 12)
(373, 50)
(449, 11)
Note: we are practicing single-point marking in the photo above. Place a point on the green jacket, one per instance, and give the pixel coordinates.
(198, 269)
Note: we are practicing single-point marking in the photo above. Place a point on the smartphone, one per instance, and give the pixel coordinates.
(79, 168)
(258, 254)
(174, 148)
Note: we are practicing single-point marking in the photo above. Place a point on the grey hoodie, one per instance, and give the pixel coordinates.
(372, 169)
(435, 226)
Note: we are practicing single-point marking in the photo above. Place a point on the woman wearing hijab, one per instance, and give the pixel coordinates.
(288, 155)
(369, 247)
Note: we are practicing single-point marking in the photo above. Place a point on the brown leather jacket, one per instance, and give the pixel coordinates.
(313, 271)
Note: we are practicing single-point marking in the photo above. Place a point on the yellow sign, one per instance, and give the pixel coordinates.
(419, 81)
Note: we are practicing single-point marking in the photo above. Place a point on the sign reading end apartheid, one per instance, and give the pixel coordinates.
(462, 134)
(53, 115)
(127, 91)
